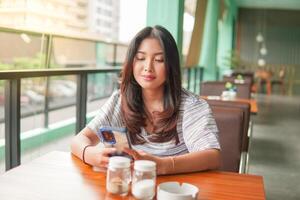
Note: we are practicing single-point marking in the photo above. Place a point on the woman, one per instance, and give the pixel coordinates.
(166, 123)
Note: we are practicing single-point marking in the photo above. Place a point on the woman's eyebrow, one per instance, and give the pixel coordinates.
(158, 53)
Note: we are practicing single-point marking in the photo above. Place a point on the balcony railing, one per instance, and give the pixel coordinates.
(12, 103)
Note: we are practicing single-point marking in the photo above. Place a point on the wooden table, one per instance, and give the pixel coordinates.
(59, 175)
(252, 102)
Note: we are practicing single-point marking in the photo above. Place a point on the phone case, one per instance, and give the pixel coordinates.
(114, 137)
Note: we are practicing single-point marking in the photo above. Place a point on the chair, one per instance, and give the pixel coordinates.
(245, 107)
(247, 128)
(247, 79)
(264, 77)
(247, 75)
(230, 125)
(279, 80)
(215, 88)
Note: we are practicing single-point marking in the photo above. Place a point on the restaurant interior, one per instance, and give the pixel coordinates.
(241, 56)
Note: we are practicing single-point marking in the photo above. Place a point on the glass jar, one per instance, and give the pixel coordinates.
(144, 179)
(118, 175)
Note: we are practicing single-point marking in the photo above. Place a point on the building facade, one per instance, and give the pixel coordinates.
(45, 15)
(104, 18)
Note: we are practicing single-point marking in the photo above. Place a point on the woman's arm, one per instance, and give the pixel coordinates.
(196, 161)
(191, 162)
(93, 155)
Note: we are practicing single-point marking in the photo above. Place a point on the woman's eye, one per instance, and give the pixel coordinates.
(140, 58)
(159, 60)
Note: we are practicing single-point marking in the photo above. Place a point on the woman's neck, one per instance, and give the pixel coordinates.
(153, 100)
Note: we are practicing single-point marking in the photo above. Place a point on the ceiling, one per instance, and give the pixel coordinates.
(269, 4)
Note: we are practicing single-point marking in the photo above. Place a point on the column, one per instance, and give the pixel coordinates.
(167, 13)
(208, 57)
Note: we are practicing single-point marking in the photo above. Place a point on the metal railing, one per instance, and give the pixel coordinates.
(192, 77)
(12, 103)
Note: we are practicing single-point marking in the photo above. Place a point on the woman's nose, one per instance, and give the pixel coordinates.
(148, 67)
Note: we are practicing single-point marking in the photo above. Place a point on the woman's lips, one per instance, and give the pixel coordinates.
(148, 77)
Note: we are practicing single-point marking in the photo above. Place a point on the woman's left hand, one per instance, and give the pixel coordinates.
(141, 155)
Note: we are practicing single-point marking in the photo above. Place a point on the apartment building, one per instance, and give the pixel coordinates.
(45, 15)
(104, 17)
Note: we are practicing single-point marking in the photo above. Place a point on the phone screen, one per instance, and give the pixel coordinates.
(114, 137)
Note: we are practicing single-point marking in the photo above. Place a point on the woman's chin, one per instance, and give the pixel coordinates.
(150, 87)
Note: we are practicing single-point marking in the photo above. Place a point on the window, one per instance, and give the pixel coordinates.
(99, 10)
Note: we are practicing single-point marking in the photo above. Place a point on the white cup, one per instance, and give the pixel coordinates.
(175, 191)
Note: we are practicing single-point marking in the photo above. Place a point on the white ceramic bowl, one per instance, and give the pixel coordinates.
(175, 191)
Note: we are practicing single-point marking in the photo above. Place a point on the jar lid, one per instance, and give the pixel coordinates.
(119, 162)
(144, 165)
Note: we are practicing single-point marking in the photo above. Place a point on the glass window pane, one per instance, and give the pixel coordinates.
(21, 51)
(32, 103)
(100, 87)
(73, 53)
(121, 54)
(47, 128)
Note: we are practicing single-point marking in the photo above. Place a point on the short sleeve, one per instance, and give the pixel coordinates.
(200, 131)
(108, 115)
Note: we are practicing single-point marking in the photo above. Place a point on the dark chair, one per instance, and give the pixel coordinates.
(247, 79)
(263, 78)
(245, 107)
(279, 80)
(248, 76)
(230, 125)
(245, 74)
(215, 88)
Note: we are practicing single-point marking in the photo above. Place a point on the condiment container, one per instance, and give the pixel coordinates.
(144, 179)
(118, 175)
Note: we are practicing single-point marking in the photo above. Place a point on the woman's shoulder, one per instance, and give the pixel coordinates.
(115, 96)
(116, 93)
(113, 101)
(188, 98)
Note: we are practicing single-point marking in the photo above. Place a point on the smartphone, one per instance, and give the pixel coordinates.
(115, 137)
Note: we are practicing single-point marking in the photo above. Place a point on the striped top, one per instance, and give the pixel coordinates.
(196, 127)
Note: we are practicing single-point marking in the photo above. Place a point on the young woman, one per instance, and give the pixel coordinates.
(166, 123)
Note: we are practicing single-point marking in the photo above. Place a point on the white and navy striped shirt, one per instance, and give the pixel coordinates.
(196, 127)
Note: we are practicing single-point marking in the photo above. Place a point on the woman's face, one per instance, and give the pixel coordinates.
(149, 67)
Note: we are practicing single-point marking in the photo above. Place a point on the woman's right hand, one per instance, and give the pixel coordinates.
(97, 156)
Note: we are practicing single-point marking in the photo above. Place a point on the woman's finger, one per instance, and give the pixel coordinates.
(105, 160)
(108, 151)
(142, 152)
(132, 153)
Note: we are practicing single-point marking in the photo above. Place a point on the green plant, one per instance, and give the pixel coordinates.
(232, 59)
(230, 86)
(35, 62)
(4, 66)
(240, 77)
(29, 62)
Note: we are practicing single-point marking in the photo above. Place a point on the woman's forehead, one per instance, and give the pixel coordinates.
(150, 45)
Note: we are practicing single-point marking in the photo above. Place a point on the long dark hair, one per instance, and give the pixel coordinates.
(132, 105)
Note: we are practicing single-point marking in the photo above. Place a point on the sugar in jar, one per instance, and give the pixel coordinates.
(118, 175)
(144, 179)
